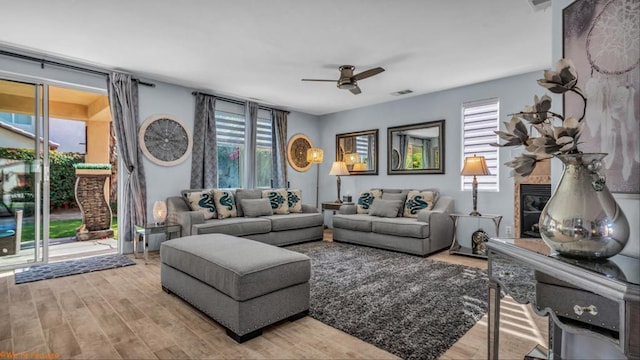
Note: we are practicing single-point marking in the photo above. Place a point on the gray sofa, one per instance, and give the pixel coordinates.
(430, 232)
(276, 230)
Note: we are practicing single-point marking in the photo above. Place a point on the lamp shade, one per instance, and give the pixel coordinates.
(351, 158)
(315, 155)
(159, 211)
(339, 168)
(475, 166)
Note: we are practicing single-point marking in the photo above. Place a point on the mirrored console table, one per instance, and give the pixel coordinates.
(456, 248)
(594, 299)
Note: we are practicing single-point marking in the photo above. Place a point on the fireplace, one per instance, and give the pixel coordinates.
(533, 198)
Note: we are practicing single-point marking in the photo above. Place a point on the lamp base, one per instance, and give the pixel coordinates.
(338, 201)
(474, 213)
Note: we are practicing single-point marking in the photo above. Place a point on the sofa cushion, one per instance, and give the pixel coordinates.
(200, 200)
(246, 194)
(294, 200)
(419, 200)
(366, 199)
(295, 221)
(256, 207)
(225, 204)
(278, 200)
(400, 226)
(402, 196)
(237, 226)
(385, 208)
(359, 222)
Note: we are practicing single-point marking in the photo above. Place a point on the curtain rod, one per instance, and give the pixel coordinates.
(236, 101)
(43, 61)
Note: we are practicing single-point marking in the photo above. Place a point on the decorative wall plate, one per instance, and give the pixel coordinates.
(297, 152)
(165, 140)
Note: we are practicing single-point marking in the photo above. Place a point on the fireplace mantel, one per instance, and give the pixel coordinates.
(540, 175)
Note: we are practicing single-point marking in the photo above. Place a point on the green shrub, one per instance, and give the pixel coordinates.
(61, 174)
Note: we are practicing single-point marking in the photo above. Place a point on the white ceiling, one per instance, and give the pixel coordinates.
(257, 49)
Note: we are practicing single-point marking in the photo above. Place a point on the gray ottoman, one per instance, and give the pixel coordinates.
(243, 284)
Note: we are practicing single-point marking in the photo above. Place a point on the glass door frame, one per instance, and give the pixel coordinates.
(40, 171)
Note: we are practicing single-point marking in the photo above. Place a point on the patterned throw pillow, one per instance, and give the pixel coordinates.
(201, 200)
(225, 204)
(294, 200)
(278, 200)
(419, 200)
(366, 199)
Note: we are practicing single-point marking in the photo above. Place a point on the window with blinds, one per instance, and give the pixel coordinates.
(231, 133)
(230, 142)
(480, 120)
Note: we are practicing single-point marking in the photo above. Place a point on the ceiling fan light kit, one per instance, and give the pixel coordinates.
(348, 81)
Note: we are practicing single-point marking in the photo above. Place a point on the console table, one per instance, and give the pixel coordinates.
(595, 299)
(456, 248)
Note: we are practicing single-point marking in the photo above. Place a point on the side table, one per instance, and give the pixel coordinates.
(332, 206)
(456, 248)
(143, 232)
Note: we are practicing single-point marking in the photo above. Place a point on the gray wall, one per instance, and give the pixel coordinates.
(513, 93)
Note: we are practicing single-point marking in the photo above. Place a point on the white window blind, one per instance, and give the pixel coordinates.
(480, 120)
(230, 123)
(263, 133)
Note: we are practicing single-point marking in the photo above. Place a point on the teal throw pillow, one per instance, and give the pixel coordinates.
(202, 201)
(278, 200)
(225, 204)
(294, 201)
(365, 200)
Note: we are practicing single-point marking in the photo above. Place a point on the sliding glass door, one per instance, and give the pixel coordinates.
(24, 173)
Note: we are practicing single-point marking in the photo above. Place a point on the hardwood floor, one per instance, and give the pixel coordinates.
(123, 313)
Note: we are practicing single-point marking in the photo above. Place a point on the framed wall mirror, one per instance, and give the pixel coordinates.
(416, 148)
(359, 150)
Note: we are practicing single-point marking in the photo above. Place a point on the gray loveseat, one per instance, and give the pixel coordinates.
(279, 230)
(430, 231)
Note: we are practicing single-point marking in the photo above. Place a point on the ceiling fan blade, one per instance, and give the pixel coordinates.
(355, 91)
(368, 73)
(317, 80)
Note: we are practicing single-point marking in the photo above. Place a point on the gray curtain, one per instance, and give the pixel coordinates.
(123, 100)
(279, 146)
(426, 154)
(403, 146)
(204, 156)
(250, 143)
(371, 152)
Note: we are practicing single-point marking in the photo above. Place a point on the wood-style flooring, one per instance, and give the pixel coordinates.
(123, 313)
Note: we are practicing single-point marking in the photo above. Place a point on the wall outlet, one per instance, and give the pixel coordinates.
(508, 230)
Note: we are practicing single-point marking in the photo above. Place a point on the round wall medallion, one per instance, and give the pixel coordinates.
(297, 152)
(164, 139)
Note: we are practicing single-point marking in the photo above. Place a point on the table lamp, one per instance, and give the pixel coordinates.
(475, 166)
(351, 158)
(339, 168)
(159, 212)
(316, 156)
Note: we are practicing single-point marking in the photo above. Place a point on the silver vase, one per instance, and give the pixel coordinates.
(582, 219)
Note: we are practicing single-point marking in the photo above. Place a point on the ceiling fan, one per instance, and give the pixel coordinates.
(348, 81)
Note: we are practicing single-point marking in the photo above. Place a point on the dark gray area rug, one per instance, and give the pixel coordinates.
(71, 267)
(410, 306)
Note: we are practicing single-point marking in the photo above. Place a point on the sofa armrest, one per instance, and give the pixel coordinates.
(440, 223)
(348, 209)
(179, 213)
(309, 208)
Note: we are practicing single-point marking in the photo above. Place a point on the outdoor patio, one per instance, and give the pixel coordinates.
(65, 248)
